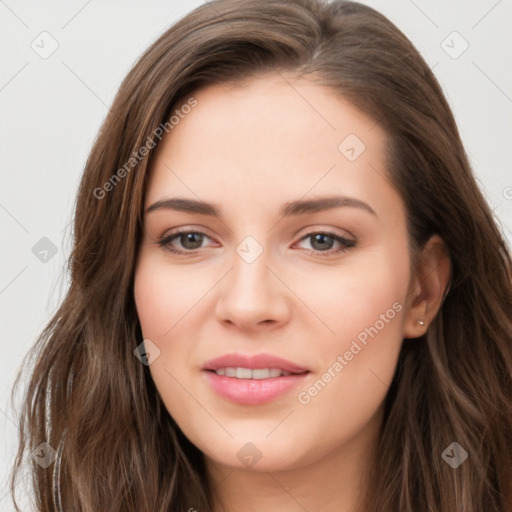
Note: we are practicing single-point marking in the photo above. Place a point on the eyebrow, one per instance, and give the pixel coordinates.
(298, 207)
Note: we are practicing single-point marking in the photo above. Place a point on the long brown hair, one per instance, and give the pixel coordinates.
(89, 398)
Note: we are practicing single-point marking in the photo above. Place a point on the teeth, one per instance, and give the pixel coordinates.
(243, 373)
(265, 373)
(248, 373)
(230, 372)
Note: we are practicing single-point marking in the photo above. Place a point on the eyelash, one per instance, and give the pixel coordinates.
(346, 244)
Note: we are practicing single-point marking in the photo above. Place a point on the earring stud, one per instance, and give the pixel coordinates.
(421, 322)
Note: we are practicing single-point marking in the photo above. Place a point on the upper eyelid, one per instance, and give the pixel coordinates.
(182, 231)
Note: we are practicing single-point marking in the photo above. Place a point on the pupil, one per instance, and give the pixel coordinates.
(321, 238)
(190, 237)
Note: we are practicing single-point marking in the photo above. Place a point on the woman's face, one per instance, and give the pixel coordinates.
(306, 259)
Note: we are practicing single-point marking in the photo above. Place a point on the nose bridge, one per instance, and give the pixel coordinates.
(251, 293)
(250, 276)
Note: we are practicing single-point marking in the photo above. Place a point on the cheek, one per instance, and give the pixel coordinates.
(170, 303)
(361, 295)
(365, 309)
(164, 295)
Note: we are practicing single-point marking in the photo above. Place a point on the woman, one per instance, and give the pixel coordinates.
(287, 290)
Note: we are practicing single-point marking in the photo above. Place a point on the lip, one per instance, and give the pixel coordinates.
(253, 391)
(252, 362)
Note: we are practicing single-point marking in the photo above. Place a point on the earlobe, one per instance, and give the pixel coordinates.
(416, 323)
(428, 288)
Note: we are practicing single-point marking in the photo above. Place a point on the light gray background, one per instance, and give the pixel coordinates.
(51, 110)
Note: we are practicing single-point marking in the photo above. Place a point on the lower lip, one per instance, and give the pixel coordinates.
(253, 391)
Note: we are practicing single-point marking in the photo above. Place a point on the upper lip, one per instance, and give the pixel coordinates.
(253, 361)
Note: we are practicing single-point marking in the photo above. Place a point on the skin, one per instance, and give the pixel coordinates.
(250, 149)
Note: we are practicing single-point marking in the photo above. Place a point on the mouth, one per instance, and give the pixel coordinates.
(251, 373)
(253, 380)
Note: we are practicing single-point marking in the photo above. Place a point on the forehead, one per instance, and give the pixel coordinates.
(299, 112)
(271, 137)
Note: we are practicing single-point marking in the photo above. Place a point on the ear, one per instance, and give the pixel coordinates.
(428, 287)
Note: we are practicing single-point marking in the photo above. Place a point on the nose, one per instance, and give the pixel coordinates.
(252, 296)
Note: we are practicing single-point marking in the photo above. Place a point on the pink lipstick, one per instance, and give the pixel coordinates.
(253, 380)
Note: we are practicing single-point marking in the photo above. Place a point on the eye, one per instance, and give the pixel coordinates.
(190, 241)
(322, 242)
